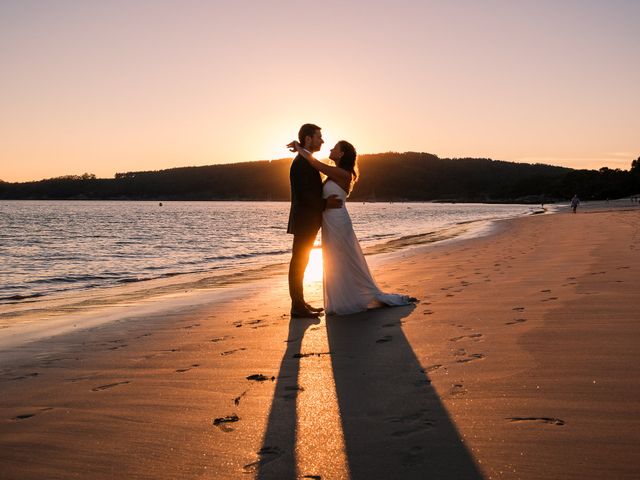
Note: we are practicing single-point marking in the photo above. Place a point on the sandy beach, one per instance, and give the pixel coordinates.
(519, 362)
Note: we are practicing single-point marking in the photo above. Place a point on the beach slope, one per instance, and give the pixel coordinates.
(520, 361)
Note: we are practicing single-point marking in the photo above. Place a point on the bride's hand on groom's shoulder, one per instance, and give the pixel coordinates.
(294, 146)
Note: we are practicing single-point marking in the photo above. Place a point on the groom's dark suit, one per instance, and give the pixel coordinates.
(307, 204)
(305, 219)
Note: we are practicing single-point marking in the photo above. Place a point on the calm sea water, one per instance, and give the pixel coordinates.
(56, 246)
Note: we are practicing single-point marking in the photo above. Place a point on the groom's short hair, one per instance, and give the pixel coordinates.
(307, 130)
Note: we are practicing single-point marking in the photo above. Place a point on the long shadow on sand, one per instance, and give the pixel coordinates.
(393, 422)
(277, 455)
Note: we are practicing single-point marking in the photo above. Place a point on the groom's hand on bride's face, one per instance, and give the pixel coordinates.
(333, 202)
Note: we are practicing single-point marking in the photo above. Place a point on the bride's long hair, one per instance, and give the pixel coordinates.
(348, 161)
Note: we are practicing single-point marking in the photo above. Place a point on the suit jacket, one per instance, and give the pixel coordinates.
(307, 204)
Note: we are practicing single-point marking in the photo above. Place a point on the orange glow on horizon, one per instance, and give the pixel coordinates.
(143, 86)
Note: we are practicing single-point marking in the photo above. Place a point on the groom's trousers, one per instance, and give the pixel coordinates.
(302, 246)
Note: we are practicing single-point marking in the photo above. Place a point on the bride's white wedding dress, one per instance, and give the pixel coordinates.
(347, 283)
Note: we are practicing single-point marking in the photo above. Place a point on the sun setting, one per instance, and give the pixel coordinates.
(147, 86)
(313, 272)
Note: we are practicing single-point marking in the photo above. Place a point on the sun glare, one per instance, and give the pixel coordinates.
(314, 268)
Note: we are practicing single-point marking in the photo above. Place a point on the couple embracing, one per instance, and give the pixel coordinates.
(347, 282)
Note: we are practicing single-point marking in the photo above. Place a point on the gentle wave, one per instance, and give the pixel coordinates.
(65, 246)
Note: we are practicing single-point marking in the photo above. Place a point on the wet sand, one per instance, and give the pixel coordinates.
(520, 361)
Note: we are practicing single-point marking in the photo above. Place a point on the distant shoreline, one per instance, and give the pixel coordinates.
(397, 177)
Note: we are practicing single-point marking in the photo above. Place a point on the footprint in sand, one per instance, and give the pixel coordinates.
(26, 375)
(182, 370)
(191, 326)
(386, 338)
(545, 291)
(431, 368)
(473, 336)
(549, 420)
(109, 385)
(266, 455)
(293, 389)
(50, 361)
(310, 354)
(457, 390)
(236, 400)
(518, 309)
(411, 423)
(229, 352)
(393, 324)
(258, 377)
(515, 321)
(222, 422)
(549, 299)
(459, 352)
(471, 357)
(218, 339)
(422, 382)
(29, 415)
(77, 379)
(414, 456)
(428, 312)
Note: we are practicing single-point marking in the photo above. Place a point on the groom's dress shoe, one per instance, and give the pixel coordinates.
(313, 309)
(303, 313)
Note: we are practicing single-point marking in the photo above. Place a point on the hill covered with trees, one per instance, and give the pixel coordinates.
(408, 176)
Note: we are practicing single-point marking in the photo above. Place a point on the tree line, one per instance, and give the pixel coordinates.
(391, 176)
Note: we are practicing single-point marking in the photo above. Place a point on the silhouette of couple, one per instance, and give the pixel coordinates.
(348, 286)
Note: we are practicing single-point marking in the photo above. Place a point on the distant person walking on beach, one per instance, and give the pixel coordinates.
(575, 201)
(348, 285)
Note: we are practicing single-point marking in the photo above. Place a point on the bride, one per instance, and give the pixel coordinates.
(347, 282)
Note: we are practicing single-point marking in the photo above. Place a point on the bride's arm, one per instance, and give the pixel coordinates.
(336, 174)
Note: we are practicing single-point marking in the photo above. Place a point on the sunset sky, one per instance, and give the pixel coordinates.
(113, 86)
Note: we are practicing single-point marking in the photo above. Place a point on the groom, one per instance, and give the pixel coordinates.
(305, 217)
